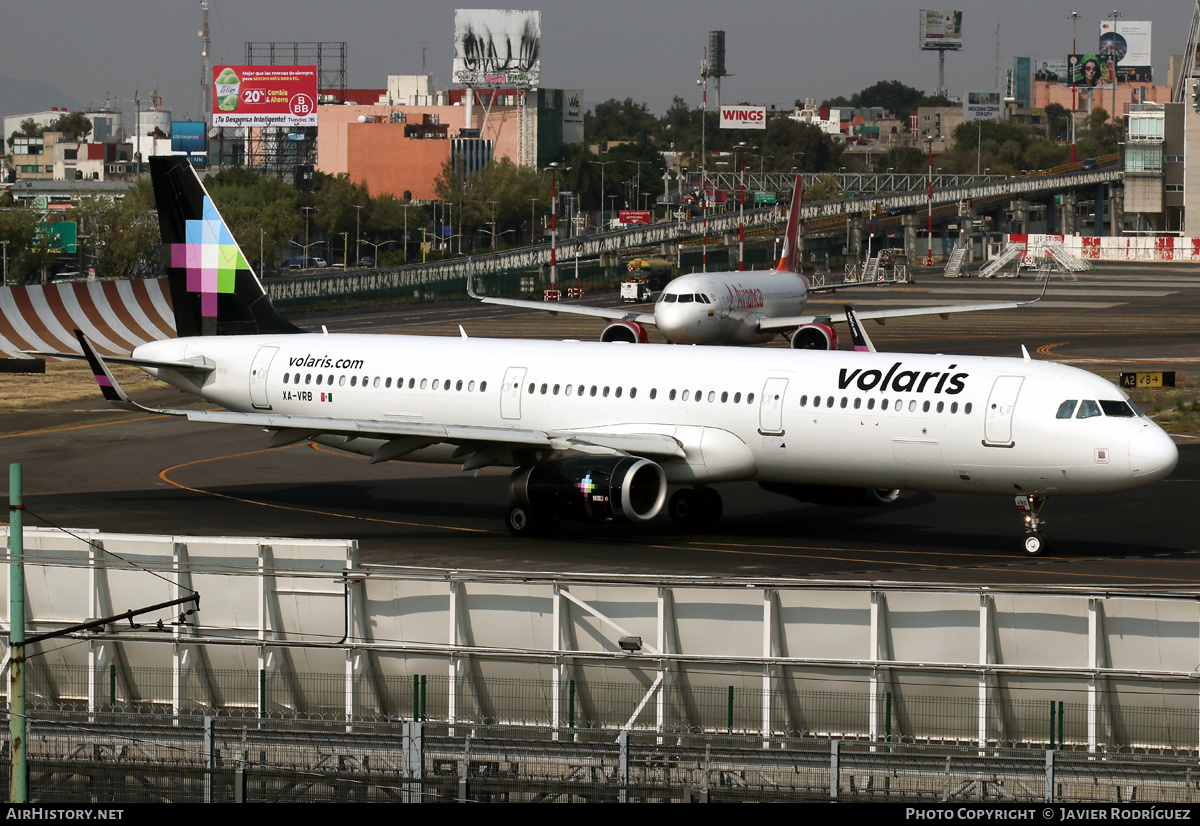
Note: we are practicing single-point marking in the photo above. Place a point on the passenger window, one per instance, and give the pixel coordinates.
(285, 377)
(1087, 409)
(373, 384)
(653, 393)
(967, 408)
(458, 386)
(750, 399)
(687, 394)
(308, 378)
(319, 379)
(482, 385)
(857, 403)
(871, 404)
(1067, 409)
(354, 381)
(737, 398)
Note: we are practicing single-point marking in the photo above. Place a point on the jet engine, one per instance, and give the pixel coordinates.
(831, 495)
(629, 331)
(815, 337)
(586, 489)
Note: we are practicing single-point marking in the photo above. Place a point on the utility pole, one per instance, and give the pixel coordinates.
(1074, 18)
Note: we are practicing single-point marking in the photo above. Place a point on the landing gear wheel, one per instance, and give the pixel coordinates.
(710, 506)
(695, 507)
(682, 507)
(1036, 544)
(524, 522)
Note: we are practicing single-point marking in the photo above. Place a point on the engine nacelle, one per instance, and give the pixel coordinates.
(585, 489)
(628, 331)
(831, 495)
(815, 337)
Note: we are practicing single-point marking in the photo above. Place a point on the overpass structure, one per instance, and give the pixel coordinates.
(892, 193)
(300, 629)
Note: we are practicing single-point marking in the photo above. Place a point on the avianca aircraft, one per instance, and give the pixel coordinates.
(601, 433)
(740, 307)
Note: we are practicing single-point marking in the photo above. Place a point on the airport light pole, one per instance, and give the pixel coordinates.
(929, 254)
(358, 230)
(741, 148)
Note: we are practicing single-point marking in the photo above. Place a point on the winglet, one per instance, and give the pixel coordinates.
(108, 384)
(109, 387)
(862, 342)
(789, 259)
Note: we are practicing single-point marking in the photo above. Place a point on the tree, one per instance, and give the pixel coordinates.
(621, 120)
(76, 123)
(29, 129)
(892, 95)
(120, 234)
(1058, 122)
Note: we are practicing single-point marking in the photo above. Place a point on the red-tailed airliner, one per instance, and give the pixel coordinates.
(740, 307)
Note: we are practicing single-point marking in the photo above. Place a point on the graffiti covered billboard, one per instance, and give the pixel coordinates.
(495, 48)
(264, 95)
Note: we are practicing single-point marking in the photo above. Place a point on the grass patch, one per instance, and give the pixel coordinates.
(63, 381)
(1177, 409)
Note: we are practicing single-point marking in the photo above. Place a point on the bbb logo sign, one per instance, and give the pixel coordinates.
(301, 105)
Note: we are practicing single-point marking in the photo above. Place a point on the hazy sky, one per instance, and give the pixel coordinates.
(648, 50)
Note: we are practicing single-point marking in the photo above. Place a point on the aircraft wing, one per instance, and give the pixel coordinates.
(554, 309)
(881, 316)
(404, 437)
(613, 314)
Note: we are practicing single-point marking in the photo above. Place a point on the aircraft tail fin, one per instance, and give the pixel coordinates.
(214, 290)
(789, 260)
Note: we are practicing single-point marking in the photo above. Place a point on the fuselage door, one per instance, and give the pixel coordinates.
(770, 407)
(997, 426)
(258, 377)
(510, 394)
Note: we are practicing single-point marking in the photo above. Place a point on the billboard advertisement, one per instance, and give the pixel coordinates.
(1091, 70)
(1127, 43)
(983, 106)
(188, 136)
(941, 29)
(498, 49)
(1052, 70)
(743, 117)
(264, 95)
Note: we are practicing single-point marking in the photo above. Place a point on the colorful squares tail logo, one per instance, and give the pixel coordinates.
(210, 257)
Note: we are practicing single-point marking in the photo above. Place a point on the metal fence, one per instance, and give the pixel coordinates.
(282, 696)
(75, 758)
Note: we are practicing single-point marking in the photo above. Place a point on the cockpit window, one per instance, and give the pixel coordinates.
(1087, 409)
(1067, 408)
(1117, 408)
(667, 298)
(702, 298)
(686, 299)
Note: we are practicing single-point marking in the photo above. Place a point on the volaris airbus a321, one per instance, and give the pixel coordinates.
(601, 432)
(739, 307)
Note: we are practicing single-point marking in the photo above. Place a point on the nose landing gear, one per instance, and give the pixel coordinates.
(1037, 542)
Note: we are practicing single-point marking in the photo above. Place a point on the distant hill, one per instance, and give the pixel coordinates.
(18, 96)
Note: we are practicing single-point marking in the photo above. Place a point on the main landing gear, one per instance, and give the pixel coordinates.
(522, 520)
(1037, 542)
(694, 508)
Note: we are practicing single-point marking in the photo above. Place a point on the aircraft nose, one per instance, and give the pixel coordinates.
(1152, 454)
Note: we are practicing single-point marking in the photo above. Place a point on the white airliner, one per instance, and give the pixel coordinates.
(740, 307)
(600, 433)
